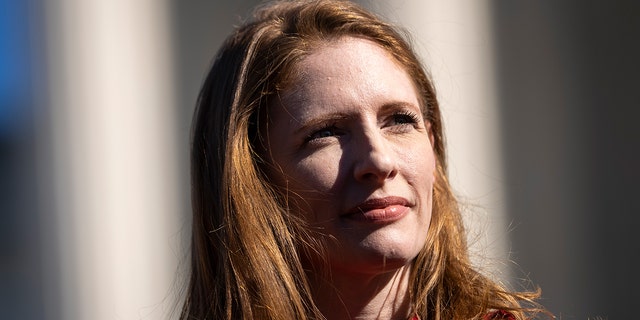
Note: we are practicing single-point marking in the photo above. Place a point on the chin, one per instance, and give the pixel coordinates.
(373, 260)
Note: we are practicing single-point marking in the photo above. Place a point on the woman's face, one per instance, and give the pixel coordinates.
(349, 140)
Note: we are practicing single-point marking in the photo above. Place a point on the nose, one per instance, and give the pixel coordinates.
(375, 160)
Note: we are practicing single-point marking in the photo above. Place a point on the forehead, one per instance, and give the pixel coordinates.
(348, 63)
(344, 53)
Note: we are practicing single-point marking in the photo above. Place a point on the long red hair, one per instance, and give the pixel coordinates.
(246, 248)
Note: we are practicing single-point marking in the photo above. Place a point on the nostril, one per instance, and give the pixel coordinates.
(369, 176)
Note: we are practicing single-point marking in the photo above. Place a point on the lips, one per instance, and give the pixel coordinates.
(379, 210)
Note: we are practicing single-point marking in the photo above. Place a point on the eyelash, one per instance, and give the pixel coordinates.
(407, 117)
(402, 118)
(315, 133)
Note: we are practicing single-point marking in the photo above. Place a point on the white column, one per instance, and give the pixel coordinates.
(115, 157)
(454, 39)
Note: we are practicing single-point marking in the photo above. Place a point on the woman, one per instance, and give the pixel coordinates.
(319, 179)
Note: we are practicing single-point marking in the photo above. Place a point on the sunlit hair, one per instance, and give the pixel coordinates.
(246, 246)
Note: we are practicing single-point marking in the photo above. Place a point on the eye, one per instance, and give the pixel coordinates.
(324, 132)
(404, 118)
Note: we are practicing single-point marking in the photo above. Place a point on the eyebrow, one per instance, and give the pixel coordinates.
(317, 121)
(338, 116)
(400, 104)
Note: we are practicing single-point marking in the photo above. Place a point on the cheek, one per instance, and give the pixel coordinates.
(309, 186)
(318, 172)
(419, 163)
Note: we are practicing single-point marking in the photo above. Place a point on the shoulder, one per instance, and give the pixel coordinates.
(499, 315)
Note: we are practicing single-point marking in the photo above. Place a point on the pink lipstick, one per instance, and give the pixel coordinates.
(379, 210)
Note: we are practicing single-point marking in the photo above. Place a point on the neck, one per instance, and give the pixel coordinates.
(358, 296)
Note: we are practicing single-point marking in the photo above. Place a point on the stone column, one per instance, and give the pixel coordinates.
(112, 139)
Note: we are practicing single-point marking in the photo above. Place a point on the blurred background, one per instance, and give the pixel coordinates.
(540, 100)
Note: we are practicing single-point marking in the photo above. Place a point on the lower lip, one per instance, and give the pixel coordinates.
(382, 215)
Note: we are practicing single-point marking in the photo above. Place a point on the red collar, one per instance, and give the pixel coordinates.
(494, 315)
(499, 315)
